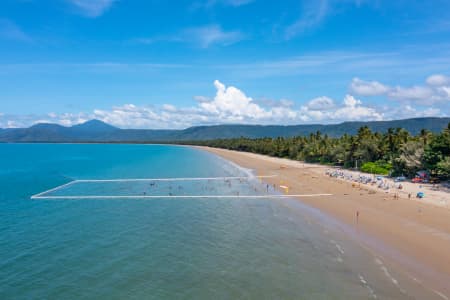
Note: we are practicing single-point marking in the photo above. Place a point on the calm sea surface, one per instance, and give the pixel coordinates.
(167, 248)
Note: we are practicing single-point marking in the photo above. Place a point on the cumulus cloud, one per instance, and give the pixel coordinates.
(320, 103)
(414, 93)
(367, 88)
(127, 114)
(352, 109)
(408, 111)
(435, 90)
(92, 8)
(265, 102)
(230, 105)
(65, 119)
(438, 80)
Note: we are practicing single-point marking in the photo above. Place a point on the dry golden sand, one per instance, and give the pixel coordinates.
(411, 236)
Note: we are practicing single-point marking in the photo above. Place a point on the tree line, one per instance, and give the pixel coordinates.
(395, 152)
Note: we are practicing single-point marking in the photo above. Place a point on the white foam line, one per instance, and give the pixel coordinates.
(339, 248)
(52, 190)
(366, 284)
(170, 179)
(441, 295)
(175, 197)
(386, 272)
(388, 275)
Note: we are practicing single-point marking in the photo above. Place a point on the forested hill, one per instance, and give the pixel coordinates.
(413, 126)
(97, 131)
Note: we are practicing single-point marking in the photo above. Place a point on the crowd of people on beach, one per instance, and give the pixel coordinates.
(374, 180)
(437, 194)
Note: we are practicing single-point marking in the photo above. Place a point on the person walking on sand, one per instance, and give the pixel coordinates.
(357, 216)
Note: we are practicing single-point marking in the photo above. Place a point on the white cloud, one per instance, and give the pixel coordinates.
(436, 90)
(444, 91)
(9, 30)
(202, 36)
(352, 109)
(92, 8)
(321, 103)
(231, 105)
(212, 34)
(13, 124)
(227, 2)
(212, 3)
(169, 107)
(127, 114)
(367, 88)
(415, 93)
(350, 101)
(408, 111)
(314, 12)
(201, 99)
(438, 80)
(67, 119)
(275, 103)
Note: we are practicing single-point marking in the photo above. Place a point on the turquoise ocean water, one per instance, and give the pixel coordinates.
(167, 248)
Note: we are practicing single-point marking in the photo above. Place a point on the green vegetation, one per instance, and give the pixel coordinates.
(377, 167)
(395, 152)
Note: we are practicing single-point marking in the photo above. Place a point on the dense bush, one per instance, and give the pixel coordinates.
(376, 168)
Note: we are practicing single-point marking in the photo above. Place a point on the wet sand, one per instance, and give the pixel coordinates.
(412, 236)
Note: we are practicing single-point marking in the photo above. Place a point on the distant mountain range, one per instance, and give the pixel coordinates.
(98, 131)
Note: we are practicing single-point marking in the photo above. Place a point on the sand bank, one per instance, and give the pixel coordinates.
(411, 234)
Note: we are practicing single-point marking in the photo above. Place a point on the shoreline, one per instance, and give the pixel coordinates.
(416, 232)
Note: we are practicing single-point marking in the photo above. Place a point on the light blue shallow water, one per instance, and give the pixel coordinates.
(164, 248)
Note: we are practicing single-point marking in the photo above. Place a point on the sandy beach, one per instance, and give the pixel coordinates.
(410, 234)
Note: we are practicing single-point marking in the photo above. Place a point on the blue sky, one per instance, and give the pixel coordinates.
(174, 64)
